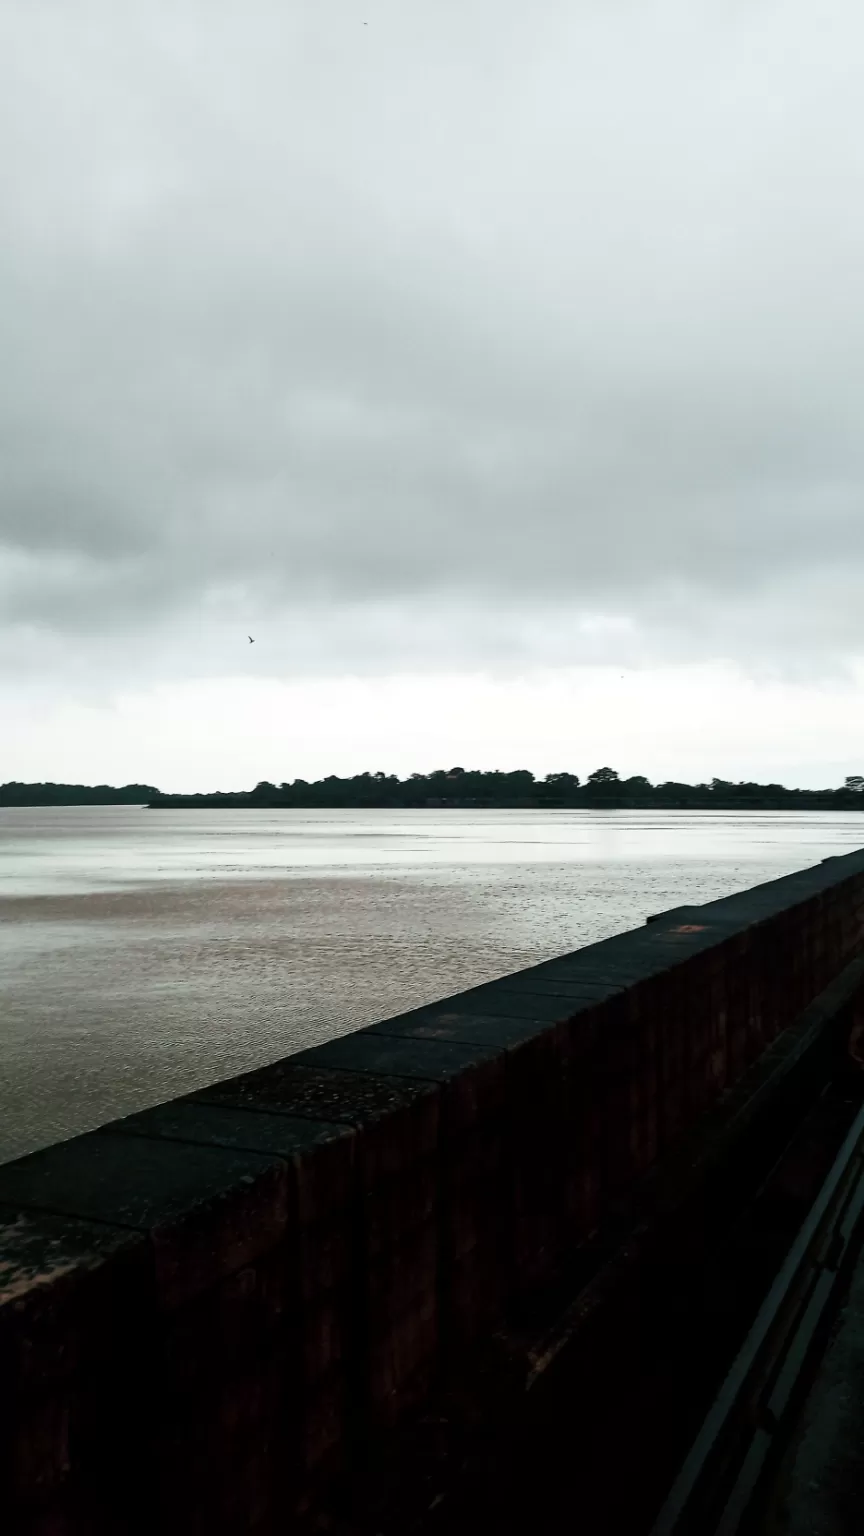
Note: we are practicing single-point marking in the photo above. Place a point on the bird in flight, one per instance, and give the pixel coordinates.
(251, 641)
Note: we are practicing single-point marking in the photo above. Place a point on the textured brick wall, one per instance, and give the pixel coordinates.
(210, 1308)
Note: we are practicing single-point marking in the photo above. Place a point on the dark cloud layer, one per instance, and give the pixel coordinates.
(477, 310)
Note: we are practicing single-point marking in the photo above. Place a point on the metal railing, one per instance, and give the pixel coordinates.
(731, 1460)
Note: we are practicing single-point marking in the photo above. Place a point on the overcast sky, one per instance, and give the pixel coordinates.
(499, 368)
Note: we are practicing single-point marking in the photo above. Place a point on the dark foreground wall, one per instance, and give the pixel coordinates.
(211, 1309)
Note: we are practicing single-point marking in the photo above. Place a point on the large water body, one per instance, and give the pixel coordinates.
(147, 953)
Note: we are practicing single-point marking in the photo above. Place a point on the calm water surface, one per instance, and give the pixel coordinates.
(145, 953)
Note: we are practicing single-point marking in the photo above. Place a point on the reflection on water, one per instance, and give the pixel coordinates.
(145, 953)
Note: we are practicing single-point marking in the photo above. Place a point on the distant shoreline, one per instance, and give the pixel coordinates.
(456, 790)
(812, 802)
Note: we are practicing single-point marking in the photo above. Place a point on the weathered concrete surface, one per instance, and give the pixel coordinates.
(211, 1310)
(821, 1489)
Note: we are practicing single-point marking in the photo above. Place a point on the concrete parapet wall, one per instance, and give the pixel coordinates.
(211, 1309)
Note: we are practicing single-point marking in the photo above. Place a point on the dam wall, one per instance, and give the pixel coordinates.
(214, 1310)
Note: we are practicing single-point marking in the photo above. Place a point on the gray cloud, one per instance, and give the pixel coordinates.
(467, 326)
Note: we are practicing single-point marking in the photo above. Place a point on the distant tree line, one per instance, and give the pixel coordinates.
(462, 788)
(76, 794)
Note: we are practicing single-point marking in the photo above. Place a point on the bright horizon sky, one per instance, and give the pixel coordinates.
(684, 723)
(499, 368)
